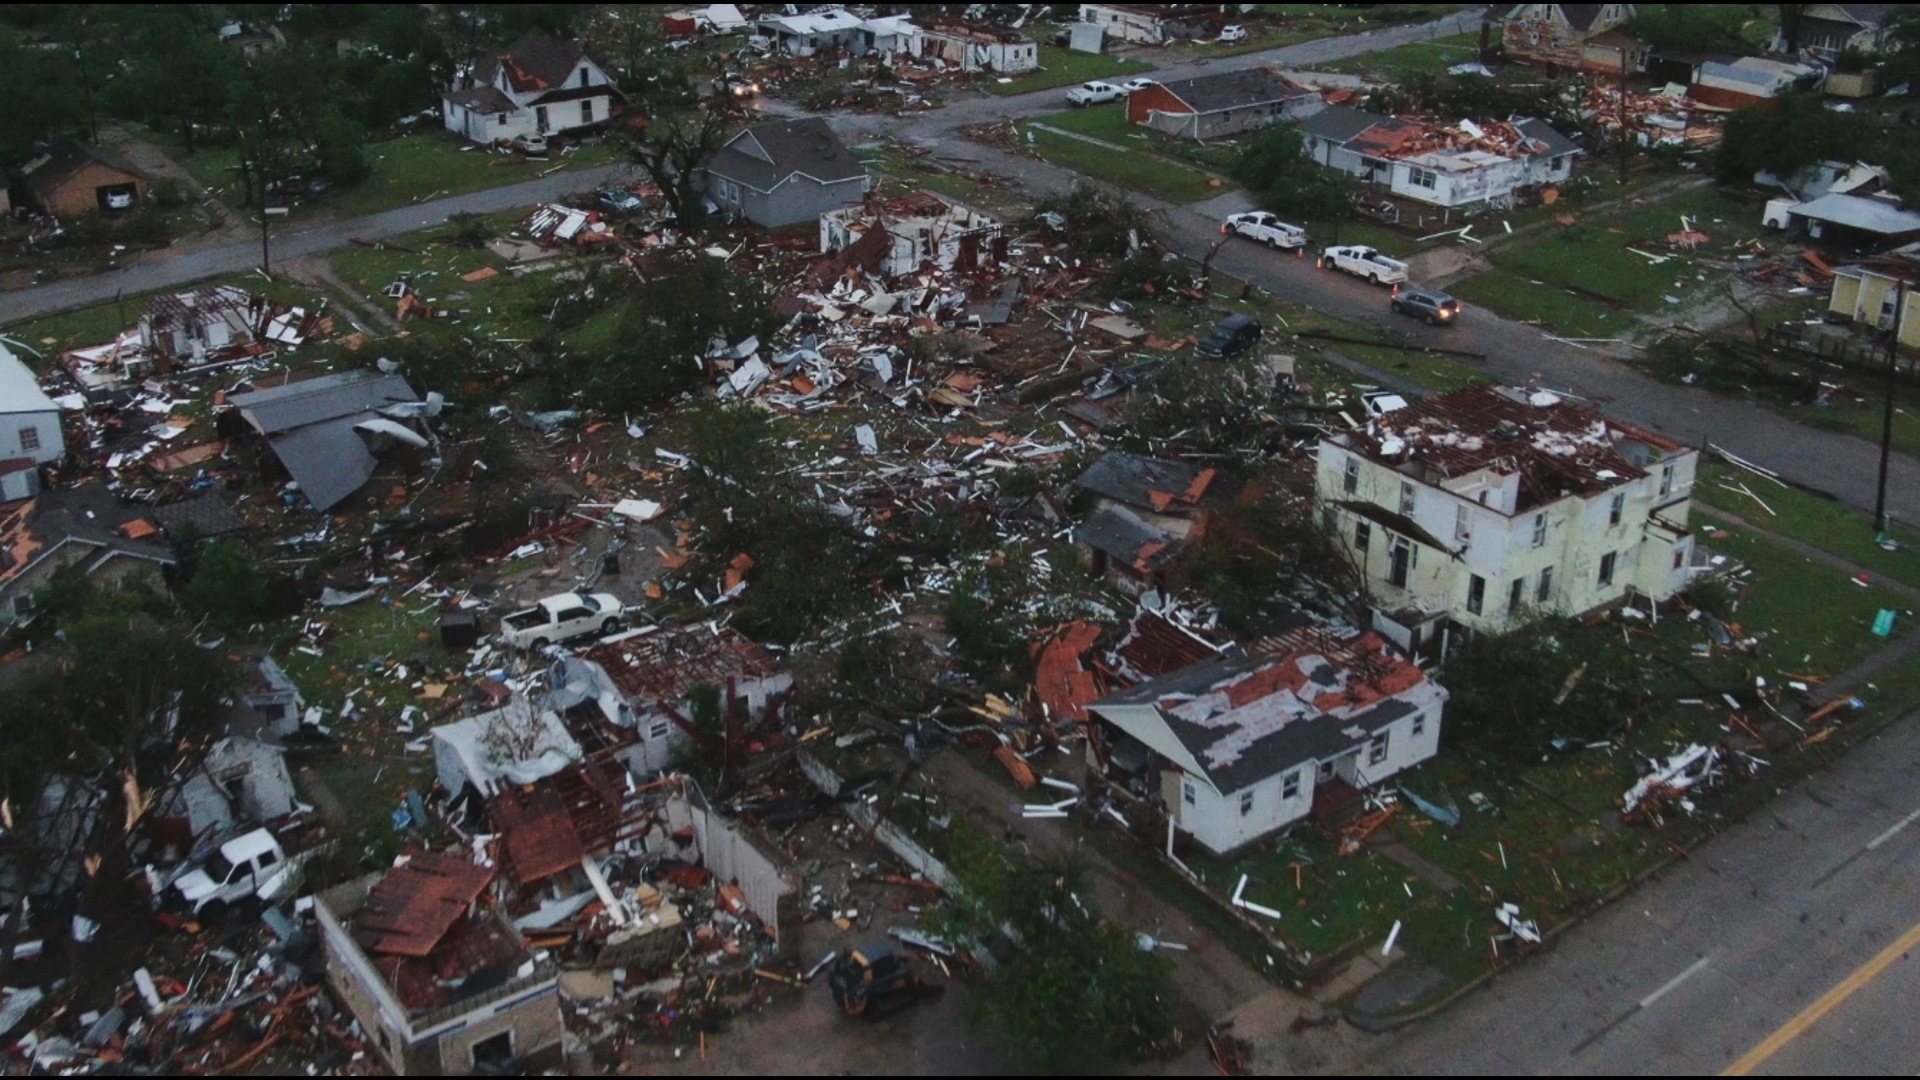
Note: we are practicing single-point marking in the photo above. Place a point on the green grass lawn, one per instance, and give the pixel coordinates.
(1063, 67)
(1145, 173)
(1583, 281)
(410, 169)
(1420, 56)
(1813, 519)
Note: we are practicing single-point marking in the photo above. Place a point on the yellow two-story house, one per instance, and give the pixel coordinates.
(1482, 506)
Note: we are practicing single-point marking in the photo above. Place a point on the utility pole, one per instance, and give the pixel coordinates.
(1625, 145)
(266, 262)
(1886, 418)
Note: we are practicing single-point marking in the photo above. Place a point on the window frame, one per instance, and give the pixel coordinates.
(1379, 746)
(1246, 803)
(1362, 534)
(1406, 498)
(1540, 529)
(1476, 594)
(1617, 509)
(1350, 477)
(29, 437)
(1290, 785)
(1543, 589)
(1609, 564)
(1516, 594)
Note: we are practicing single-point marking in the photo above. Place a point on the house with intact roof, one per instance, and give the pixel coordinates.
(1488, 504)
(783, 173)
(1827, 30)
(1246, 743)
(75, 178)
(536, 86)
(1573, 37)
(1217, 106)
(30, 434)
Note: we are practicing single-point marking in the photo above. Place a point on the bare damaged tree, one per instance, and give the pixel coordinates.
(672, 153)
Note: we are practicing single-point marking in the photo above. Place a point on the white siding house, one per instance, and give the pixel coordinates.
(29, 420)
(538, 86)
(1463, 165)
(1491, 503)
(1234, 748)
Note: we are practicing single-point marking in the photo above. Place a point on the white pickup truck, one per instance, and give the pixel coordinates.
(245, 867)
(1365, 262)
(557, 618)
(1265, 228)
(1095, 93)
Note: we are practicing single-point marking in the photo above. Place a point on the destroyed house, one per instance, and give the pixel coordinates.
(86, 526)
(977, 47)
(1141, 516)
(657, 672)
(1217, 106)
(1749, 81)
(537, 86)
(783, 173)
(1154, 24)
(1483, 505)
(190, 329)
(30, 432)
(434, 972)
(326, 431)
(1558, 35)
(1446, 166)
(1240, 746)
(75, 178)
(920, 230)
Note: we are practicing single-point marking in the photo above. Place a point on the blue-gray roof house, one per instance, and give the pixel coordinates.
(784, 173)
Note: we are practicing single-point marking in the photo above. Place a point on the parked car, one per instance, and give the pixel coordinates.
(1267, 229)
(1094, 93)
(1436, 307)
(1232, 33)
(1138, 84)
(1229, 338)
(557, 618)
(619, 200)
(1362, 261)
(248, 866)
(736, 86)
(531, 145)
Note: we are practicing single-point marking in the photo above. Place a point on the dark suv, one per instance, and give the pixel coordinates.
(1233, 335)
(1430, 304)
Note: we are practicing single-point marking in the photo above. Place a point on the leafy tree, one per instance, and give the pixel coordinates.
(1275, 168)
(1693, 27)
(228, 589)
(1074, 993)
(117, 698)
(41, 88)
(1800, 131)
(1099, 222)
(340, 151)
(671, 153)
(1901, 63)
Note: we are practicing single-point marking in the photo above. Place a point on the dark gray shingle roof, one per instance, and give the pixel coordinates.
(1339, 123)
(348, 393)
(1234, 90)
(795, 146)
(1556, 144)
(1132, 479)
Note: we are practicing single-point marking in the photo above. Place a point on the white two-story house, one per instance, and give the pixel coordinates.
(1490, 503)
(538, 86)
(1240, 746)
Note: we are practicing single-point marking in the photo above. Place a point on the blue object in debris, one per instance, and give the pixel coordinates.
(1445, 815)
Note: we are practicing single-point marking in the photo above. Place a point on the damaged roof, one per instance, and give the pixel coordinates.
(1122, 534)
(537, 61)
(1300, 698)
(1339, 123)
(86, 514)
(1235, 90)
(1558, 448)
(665, 663)
(203, 516)
(538, 832)
(767, 155)
(313, 426)
(66, 159)
(412, 908)
(1155, 645)
(1155, 484)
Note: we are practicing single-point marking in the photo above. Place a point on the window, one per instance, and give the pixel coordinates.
(1362, 535)
(1462, 523)
(1476, 593)
(1187, 793)
(1666, 480)
(586, 111)
(495, 1052)
(1606, 569)
(1544, 591)
(658, 730)
(1679, 558)
(1422, 178)
(1290, 785)
(1617, 508)
(1329, 521)
(30, 438)
(1419, 724)
(1246, 802)
(1325, 772)
(1539, 530)
(583, 77)
(1351, 482)
(1516, 595)
(1406, 497)
(504, 117)
(22, 606)
(267, 858)
(1377, 749)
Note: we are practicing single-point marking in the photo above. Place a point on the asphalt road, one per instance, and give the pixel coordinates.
(1694, 972)
(161, 273)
